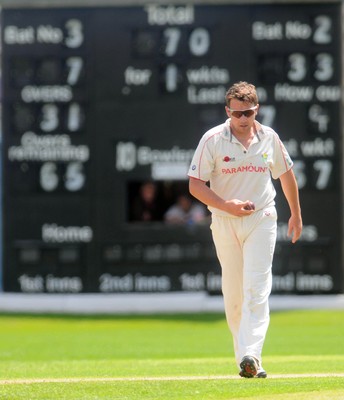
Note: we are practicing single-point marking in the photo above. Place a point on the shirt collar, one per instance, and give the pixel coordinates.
(228, 133)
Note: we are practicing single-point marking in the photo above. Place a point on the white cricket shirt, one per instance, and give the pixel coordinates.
(235, 172)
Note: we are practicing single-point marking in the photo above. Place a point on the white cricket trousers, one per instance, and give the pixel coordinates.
(245, 248)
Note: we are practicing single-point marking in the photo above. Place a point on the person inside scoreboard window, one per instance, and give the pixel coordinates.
(146, 207)
(185, 211)
(238, 159)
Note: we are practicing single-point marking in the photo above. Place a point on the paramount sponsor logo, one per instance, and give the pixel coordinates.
(247, 168)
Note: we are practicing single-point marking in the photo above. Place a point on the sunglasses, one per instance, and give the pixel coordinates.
(247, 113)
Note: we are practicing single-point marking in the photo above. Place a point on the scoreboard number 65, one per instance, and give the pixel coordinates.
(73, 178)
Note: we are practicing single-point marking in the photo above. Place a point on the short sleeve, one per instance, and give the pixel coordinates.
(281, 159)
(202, 163)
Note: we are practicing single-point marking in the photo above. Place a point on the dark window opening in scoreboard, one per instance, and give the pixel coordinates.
(145, 43)
(295, 263)
(29, 255)
(23, 117)
(317, 264)
(47, 71)
(167, 202)
(69, 255)
(22, 71)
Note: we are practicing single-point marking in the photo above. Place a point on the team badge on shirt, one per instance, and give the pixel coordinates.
(265, 157)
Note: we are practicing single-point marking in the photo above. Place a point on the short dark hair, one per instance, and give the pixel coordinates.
(242, 91)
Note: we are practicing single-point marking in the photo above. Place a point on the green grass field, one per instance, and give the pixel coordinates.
(162, 357)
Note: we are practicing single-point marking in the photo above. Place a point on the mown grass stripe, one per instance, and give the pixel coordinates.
(160, 378)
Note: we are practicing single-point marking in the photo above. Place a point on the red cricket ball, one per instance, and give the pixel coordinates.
(250, 206)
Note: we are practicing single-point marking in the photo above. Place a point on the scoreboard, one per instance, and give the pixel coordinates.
(96, 101)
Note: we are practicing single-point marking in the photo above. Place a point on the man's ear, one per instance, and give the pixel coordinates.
(227, 111)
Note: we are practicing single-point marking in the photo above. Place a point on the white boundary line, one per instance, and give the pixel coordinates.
(160, 378)
(143, 303)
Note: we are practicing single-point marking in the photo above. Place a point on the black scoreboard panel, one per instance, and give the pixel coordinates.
(97, 101)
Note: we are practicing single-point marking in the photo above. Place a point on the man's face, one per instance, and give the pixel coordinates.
(242, 115)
